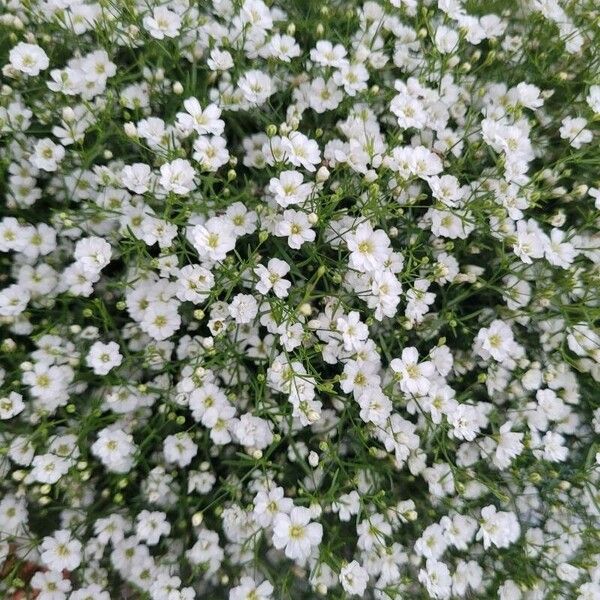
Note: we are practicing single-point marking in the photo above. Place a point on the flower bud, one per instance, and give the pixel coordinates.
(130, 129)
(322, 174)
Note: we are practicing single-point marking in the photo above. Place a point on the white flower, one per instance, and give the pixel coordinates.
(250, 590)
(436, 578)
(495, 341)
(289, 188)
(354, 578)
(161, 320)
(14, 515)
(352, 330)
(251, 432)
(28, 58)
(409, 111)
(272, 277)
(194, 283)
(553, 448)
(93, 254)
(296, 227)
(328, 55)
(301, 151)
(48, 468)
(11, 405)
(213, 240)
(241, 220)
(509, 446)
(179, 449)
(60, 551)
(369, 249)
(102, 358)
(500, 529)
(13, 300)
(352, 77)
(47, 155)
(177, 177)
(295, 534)
(573, 129)
(256, 87)
(529, 95)
(202, 121)
(268, 504)
(115, 449)
(558, 252)
(446, 39)
(162, 23)
(219, 60)
(151, 526)
(50, 585)
(415, 377)
(372, 532)
(243, 308)
(347, 505)
(136, 177)
(211, 152)
(593, 98)
(90, 592)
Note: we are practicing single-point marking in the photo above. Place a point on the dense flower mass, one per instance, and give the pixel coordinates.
(300, 299)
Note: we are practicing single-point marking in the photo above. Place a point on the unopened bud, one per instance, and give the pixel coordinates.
(322, 174)
(130, 129)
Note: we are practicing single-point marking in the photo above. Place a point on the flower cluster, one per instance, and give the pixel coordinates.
(300, 300)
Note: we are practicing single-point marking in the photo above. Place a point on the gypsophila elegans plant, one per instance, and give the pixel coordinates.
(299, 299)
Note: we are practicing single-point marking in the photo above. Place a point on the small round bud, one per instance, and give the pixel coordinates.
(68, 114)
(305, 309)
(130, 129)
(177, 88)
(371, 176)
(313, 416)
(8, 345)
(322, 174)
